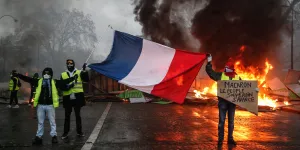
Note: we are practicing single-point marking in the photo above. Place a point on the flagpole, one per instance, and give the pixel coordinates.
(90, 56)
(109, 26)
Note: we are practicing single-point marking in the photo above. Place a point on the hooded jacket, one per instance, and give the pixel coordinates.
(45, 96)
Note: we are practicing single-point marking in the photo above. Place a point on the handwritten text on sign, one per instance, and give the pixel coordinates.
(240, 92)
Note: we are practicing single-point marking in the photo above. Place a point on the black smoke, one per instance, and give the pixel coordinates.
(221, 26)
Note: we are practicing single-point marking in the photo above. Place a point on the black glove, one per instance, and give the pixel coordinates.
(69, 86)
(75, 77)
(84, 66)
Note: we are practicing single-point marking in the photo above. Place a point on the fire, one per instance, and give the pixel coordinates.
(286, 103)
(199, 94)
(246, 73)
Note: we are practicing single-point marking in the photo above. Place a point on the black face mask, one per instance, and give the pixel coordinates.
(70, 67)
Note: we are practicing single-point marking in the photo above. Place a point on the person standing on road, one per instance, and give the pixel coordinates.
(73, 96)
(32, 88)
(46, 99)
(224, 105)
(14, 86)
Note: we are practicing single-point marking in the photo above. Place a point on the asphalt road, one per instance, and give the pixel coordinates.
(153, 126)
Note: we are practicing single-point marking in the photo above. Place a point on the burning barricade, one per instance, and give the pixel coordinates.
(273, 94)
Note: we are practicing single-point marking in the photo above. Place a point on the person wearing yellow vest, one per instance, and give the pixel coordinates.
(73, 96)
(46, 99)
(14, 86)
(224, 105)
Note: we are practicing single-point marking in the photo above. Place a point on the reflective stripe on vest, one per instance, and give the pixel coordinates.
(78, 85)
(11, 84)
(54, 92)
(224, 77)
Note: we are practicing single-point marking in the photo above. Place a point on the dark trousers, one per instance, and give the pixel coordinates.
(13, 96)
(224, 107)
(68, 111)
(31, 96)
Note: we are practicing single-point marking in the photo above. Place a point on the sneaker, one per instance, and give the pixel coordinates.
(8, 106)
(231, 142)
(16, 106)
(37, 141)
(80, 134)
(64, 136)
(54, 139)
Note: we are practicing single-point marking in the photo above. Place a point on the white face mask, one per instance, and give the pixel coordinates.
(46, 76)
(228, 70)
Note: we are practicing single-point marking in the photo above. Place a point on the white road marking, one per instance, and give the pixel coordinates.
(91, 140)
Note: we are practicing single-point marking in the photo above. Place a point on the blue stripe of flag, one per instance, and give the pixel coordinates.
(124, 54)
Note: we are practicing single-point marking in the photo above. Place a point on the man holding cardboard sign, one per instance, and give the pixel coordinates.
(227, 102)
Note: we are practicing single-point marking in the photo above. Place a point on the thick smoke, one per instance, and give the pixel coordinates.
(166, 22)
(23, 11)
(46, 34)
(222, 26)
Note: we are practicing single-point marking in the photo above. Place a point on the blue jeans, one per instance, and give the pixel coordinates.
(42, 110)
(225, 106)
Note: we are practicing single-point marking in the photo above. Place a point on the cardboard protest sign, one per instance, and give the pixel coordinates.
(240, 92)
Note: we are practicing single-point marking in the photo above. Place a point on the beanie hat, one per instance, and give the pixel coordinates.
(48, 70)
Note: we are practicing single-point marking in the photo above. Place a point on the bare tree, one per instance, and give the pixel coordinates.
(59, 32)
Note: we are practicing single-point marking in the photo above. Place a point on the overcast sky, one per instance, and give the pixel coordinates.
(117, 13)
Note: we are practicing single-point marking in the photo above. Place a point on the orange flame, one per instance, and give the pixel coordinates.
(286, 103)
(242, 49)
(246, 73)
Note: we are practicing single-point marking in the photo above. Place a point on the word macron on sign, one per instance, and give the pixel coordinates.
(241, 93)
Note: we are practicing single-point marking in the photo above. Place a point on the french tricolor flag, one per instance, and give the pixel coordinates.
(151, 67)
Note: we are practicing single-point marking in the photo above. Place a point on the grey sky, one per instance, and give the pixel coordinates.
(117, 13)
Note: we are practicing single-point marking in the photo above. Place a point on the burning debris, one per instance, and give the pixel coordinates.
(248, 73)
(246, 31)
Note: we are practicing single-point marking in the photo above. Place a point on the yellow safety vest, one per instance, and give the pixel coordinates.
(11, 84)
(224, 77)
(78, 85)
(54, 92)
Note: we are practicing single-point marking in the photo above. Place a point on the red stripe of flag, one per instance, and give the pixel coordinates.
(180, 76)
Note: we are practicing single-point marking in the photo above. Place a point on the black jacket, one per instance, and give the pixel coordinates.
(33, 85)
(45, 97)
(80, 100)
(216, 76)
